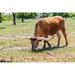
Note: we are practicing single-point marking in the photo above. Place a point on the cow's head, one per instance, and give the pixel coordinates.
(35, 42)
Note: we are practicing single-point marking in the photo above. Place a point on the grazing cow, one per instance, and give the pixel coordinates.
(48, 26)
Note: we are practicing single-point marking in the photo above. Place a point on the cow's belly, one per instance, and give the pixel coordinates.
(53, 31)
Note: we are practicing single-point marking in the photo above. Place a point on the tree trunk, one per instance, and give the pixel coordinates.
(0, 18)
(22, 19)
(14, 18)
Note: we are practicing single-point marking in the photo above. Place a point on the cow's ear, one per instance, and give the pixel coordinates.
(33, 38)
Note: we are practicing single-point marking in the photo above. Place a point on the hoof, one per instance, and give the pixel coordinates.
(66, 44)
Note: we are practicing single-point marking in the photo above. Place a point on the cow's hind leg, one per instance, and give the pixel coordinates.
(59, 36)
(65, 35)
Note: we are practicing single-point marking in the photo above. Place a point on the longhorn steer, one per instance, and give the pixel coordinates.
(48, 26)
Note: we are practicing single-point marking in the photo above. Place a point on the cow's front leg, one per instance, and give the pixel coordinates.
(44, 46)
(48, 44)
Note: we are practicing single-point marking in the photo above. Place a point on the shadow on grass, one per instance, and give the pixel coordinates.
(49, 48)
(2, 27)
(4, 60)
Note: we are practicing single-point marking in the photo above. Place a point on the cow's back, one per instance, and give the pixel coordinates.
(50, 20)
(50, 25)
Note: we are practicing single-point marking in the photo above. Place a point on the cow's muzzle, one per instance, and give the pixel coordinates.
(33, 49)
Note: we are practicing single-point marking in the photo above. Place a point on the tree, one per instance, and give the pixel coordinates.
(72, 14)
(30, 15)
(65, 15)
(0, 18)
(26, 16)
(14, 18)
(20, 15)
(44, 15)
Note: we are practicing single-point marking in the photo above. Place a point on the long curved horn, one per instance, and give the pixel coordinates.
(39, 38)
(46, 39)
(27, 37)
(42, 38)
(23, 37)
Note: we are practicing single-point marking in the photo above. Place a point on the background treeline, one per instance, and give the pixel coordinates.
(22, 16)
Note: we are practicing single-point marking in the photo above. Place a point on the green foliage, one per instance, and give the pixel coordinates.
(19, 15)
(26, 15)
(65, 15)
(6, 17)
(30, 15)
(44, 15)
(72, 14)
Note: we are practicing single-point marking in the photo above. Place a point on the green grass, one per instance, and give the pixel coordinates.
(27, 26)
(70, 23)
(9, 47)
(45, 56)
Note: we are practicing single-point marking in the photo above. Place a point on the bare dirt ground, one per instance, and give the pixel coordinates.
(21, 36)
(24, 44)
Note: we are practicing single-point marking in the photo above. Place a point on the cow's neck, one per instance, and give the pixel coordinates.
(39, 35)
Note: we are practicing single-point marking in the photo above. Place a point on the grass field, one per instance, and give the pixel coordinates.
(19, 50)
